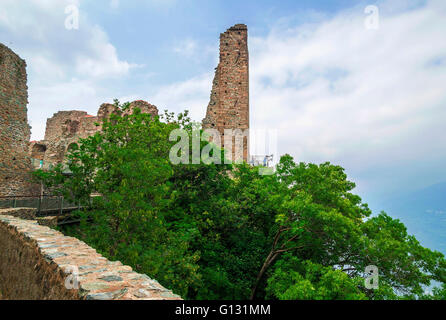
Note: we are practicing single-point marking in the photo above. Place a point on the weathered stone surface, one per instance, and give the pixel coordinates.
(144, 106)
(105, 110)
(65, 128)
(37, 262)
(48, 221)
(107, 295)
(229, 102)
(24, 213)
(15, 163)
(111, 278)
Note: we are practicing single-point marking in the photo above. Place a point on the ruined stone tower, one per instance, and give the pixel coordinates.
(65, 128)
(229, 103)
(15, 164)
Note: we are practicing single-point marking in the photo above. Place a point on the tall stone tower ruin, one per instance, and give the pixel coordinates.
(15, 164)
(229, 103)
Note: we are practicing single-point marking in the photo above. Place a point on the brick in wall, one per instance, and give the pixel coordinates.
(65, 128)
(39, 263)
(15, 163)
(229, 102)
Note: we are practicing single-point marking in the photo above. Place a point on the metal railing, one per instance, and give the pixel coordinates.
(45, 205)
(261, 160)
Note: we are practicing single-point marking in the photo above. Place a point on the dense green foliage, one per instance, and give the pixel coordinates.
(211, 231)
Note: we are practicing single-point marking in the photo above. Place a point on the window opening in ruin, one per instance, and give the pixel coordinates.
(38, 151)
(73, 146)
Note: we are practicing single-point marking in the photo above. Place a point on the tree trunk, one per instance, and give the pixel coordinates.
(271, 257)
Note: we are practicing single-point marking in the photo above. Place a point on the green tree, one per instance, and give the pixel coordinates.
(323, 224)
(216, 231)
(127, 164)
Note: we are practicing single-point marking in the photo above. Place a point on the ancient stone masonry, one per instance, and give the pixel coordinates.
(65, 128)
(15, 164)
(31, 214)
(37, 262)
(23, 213)
(229, 102)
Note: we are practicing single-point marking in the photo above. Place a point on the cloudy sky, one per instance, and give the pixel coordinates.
(372, 100)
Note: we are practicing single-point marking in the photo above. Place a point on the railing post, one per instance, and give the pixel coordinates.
(61, 205)
(14, 203)
(39, 205)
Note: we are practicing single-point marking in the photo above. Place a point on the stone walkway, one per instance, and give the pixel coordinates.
(81, 266)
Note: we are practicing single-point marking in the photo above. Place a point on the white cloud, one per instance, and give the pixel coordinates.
(364, 99)
(196, 51)
(74, 94)
(65, 67)
(101, 60)
(186, 48)
(371, 101)
(192, 95)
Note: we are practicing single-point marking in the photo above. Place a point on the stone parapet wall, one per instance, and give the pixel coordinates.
(24, 213)
(39, 263)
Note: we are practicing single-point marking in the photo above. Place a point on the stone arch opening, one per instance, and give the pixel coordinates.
(38, 151)
(72, 147)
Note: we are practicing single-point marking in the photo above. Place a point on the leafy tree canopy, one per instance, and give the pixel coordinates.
(215, 231)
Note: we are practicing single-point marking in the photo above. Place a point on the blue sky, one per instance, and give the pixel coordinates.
(146, 31)
(372, 101)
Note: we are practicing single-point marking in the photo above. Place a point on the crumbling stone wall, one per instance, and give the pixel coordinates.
(65, 128)
(37, 150)
(229, 102)
(144, 106)
(23, 213)
(15, 164)
(37, 263)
